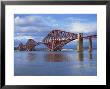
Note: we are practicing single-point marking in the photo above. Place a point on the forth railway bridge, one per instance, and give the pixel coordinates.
(56, 39)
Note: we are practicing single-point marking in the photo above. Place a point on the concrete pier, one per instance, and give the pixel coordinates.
(80, 42)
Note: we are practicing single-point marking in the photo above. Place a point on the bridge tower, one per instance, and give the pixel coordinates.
(80, 42)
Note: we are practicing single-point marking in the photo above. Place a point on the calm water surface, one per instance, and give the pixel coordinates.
(63, 63)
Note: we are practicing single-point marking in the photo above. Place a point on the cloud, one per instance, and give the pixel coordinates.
(27, 20)
(23, 37)
(19, 21)
(34, 20)
(80, 24)
(26, 29)
(38, 23)
(34, 23)
(82, 27)
(72, 19)
(38, 26)
(32, 29)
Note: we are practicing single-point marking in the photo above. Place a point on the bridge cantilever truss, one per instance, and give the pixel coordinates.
(56, 39)
(29, 46)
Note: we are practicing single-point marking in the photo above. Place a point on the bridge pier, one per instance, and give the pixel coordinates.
(90, 44)
(80, 42)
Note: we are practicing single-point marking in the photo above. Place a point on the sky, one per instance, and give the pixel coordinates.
(37, 26)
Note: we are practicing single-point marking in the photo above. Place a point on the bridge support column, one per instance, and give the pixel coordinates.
(90, 44)
(80, 42)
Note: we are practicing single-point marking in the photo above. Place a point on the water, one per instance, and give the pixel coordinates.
(63, 63)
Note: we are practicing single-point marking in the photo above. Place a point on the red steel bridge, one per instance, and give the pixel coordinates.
(56, 39)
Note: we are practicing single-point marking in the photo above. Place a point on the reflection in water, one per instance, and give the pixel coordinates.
(80, 56)
(56, 57)
(60, 63)
(31, 57)
(90, 55)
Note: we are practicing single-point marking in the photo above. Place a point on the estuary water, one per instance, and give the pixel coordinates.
(61, 63)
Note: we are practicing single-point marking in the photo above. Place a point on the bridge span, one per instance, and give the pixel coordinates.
(56, 39)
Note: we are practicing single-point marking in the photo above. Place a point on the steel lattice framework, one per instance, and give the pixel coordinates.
(31, 45)
(56, 39)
